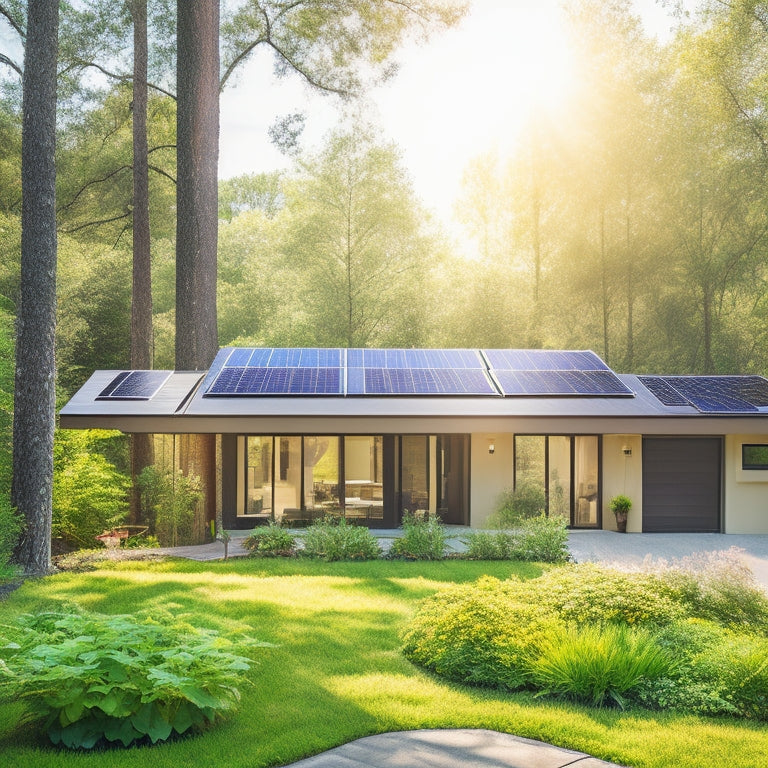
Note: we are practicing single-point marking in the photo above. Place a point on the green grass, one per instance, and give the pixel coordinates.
(337, 673)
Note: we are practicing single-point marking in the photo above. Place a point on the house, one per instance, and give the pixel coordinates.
(373, 432)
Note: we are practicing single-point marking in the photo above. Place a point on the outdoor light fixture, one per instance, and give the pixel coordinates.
(491, 447)
(626, 450)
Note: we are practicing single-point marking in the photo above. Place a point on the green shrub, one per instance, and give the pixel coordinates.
(487, 545)
(717, 586)
(90, 495)
(333, 540)
(543, 540)
(538, 539)
(423, 538)
(173, 498)
(271, 540)
(118, 679)
(597, 664)
(587, 593)
(10, 527)
(517, 504)
(478, 634)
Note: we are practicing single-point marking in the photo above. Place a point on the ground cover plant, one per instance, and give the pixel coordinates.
(336, 672)
(118, 678)
(538, 539)
(605, 637)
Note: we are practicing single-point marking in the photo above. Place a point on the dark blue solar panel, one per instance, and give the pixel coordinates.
(134, 385)
(560, 383)
(664, 392)
(418, 381)
(722, 394)
(543, 360)
(276, 381)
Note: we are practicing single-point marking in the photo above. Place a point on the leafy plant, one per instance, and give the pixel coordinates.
(597, 664)
(332, 540)
(118, 679)
(271, 540)
(423, 538)
(538, 539)
(173, 497)
(514, 505)
(620, 504)
(478, 634)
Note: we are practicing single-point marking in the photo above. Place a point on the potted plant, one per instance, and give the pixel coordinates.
(620, 506)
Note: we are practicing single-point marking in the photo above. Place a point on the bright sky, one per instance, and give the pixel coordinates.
(466, 91)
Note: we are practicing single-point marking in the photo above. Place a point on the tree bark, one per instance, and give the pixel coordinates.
(35, 384)
(197, 140)
(142, 454)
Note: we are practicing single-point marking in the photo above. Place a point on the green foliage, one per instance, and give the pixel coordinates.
(587, 593)
(620, 503)
(118, 679)
(89, 493)
(10, 524)
(514, 505)
(423, 538)
(597, 664)
(538, 539)
(478, 633)
(10, 528)
(332, 540)
(271, 540)
(169, 500)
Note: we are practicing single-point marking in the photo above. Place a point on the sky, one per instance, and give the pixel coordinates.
(466, 91)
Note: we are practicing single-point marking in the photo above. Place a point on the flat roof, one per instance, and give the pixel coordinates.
(182, 404)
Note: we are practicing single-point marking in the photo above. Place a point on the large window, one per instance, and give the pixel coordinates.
(566, 470)
(363, 477)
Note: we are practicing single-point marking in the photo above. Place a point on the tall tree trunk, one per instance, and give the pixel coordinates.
(141, 301)
(197, 140)
(35, 385)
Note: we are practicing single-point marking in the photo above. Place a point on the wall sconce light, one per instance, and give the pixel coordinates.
(626, 450)
(491, 447)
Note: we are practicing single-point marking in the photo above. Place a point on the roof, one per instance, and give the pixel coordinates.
(415, 391)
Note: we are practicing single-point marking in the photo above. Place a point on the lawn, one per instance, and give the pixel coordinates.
(336, 672)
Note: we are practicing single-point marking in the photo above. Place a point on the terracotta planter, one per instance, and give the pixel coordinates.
(621, 522)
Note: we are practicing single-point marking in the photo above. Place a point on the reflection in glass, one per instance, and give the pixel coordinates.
(559, 476)
(585, 473)
(530, 461)
(258, 499)
(287, 502)
(321, 473)
(363, 476)
(414, 454)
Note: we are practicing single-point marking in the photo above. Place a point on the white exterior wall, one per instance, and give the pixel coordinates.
(490, 474)
(746, 491)
(623, 474)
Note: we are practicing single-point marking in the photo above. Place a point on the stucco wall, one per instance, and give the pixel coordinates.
(623, 474)
(746, 491)
(490, 473)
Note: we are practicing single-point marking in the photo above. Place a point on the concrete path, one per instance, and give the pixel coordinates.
(449, 749)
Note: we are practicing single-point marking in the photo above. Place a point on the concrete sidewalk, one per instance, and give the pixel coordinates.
(449, 749)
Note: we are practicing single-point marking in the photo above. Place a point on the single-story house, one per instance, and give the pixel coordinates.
(370, 433)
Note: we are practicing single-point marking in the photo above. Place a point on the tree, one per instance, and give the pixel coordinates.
(358, 246)
(35, 390)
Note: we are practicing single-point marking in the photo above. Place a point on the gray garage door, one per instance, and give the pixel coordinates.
(681, 484)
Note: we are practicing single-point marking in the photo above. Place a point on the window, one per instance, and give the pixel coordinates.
(754, 456)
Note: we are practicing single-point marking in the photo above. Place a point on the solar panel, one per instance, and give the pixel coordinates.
(250, 381)
(711, 394)
(543, 360)
(560, 383)
(418, 381)
(134, 385)
(664, 392)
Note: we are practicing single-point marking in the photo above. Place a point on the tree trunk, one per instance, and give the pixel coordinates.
(197, 140)
(141, 301)
(35, 385)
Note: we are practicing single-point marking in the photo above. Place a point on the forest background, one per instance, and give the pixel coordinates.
(631, 219)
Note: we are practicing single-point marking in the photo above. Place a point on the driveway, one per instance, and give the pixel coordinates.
(633, 548)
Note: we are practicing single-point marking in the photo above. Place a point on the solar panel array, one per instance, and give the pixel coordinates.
(550, 373)
(711, 394)
(134, 385)
(384, 372)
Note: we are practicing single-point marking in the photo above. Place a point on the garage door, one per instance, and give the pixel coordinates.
(681, 484)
